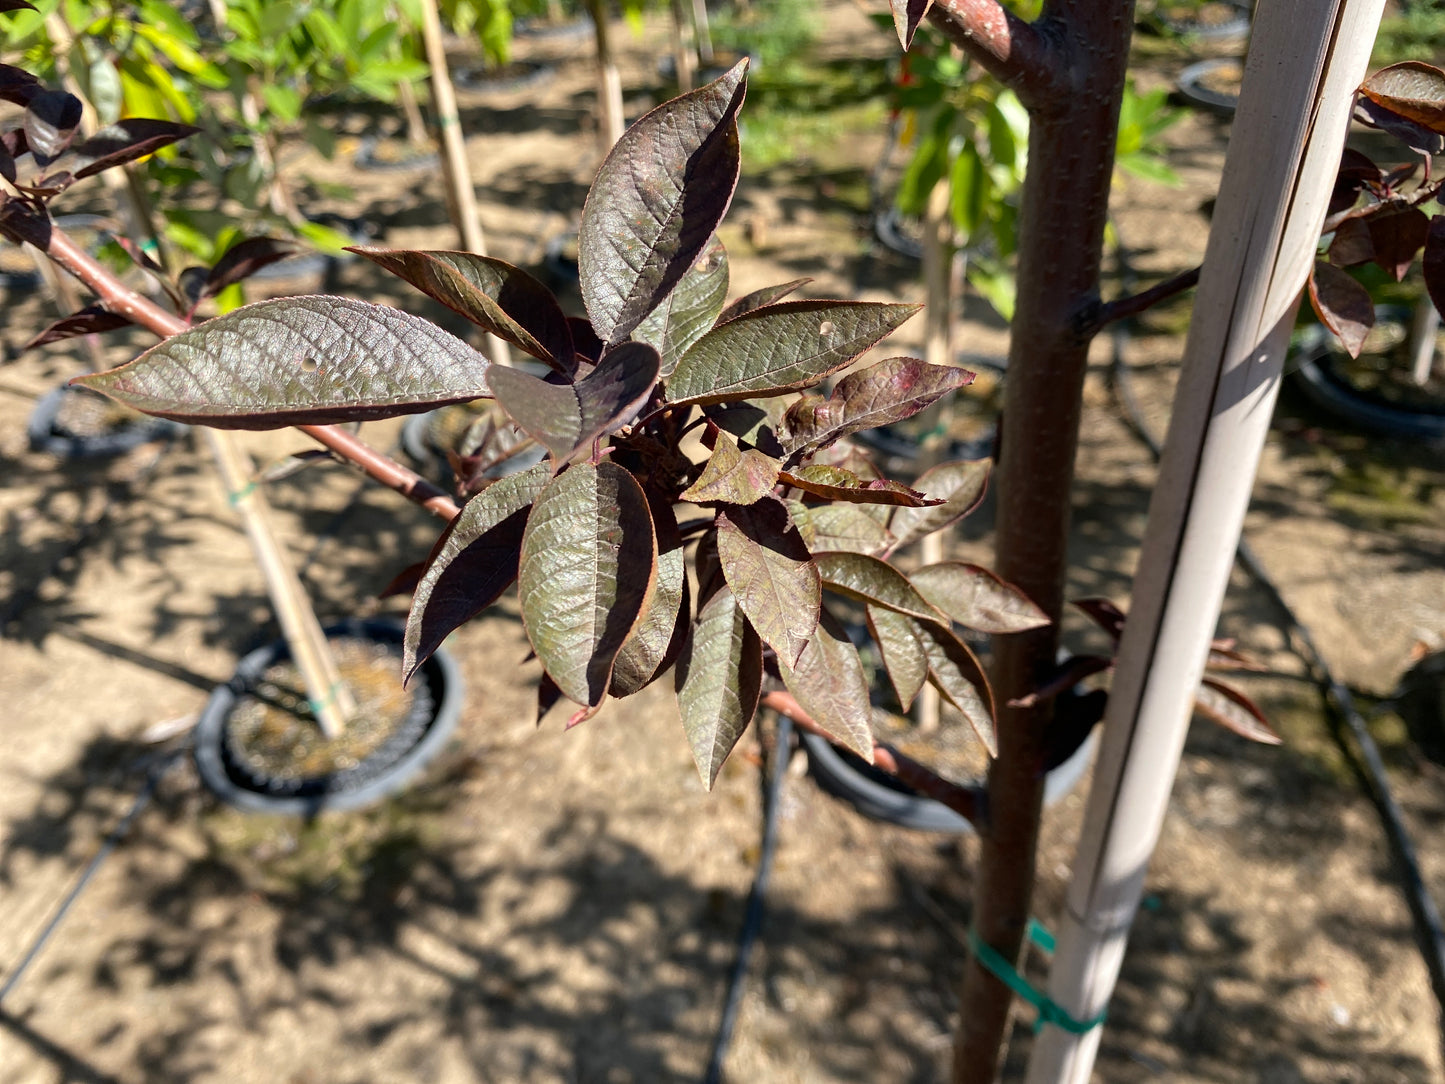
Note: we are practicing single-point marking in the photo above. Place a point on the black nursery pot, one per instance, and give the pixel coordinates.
(430, 718)
(54, 426)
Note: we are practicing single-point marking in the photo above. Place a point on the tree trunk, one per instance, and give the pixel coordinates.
(1061, 232)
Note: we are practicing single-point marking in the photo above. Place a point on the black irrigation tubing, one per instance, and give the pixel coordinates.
(1368, 764)
(757, 899)
(112, 840)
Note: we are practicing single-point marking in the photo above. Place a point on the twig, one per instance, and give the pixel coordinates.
(967, 802)
(1134, 304)
(1017, 53)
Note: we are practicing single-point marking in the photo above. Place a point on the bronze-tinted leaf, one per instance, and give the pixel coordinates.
(19, 86)
(831, 685)
(1351, 245)
(733, 476)
(881, 394)
(870, 580)
(661, 628)
(1397, 238)
(657, 199)
(1342, 304)
(473, 562)
(719, 678)
(829, 527)
(686, 313)
(903, 656)
(491, 293)
(975, 597)
(955, 672)
(88, 321)
(754, 423)
(1433, 262)
(780, 348)
(299, 361)
(960, 485)
(758, 298)
(1413, 89)
(907, 14)
(837, 484)
(52, 118)
(1103, 613)
(1234, 711)
(770, 571)
(16, 5)
(588, 569)
(124, 141)
(242, 260)
(1418, 137)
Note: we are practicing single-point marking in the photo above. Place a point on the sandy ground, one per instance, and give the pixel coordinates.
(553, 906)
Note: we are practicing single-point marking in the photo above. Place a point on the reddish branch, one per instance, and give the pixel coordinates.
(967, 802)
(123, 301)
(1019, 54)
(1123, 307)
(1400, 200)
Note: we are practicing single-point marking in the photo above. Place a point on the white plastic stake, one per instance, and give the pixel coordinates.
(1306, 58)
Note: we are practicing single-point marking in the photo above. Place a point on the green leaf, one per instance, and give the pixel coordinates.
(831, 527)
(904, 659)
(687, 313)
(588, 569)
(955, 672)
(474, 561)
(837, 484)
(769, 569)
(657, 199)
(780, 348)
(881, 394)
(831, 685)
(968, 190)
(928, 164)
(733, 476)
(977, 598)
(493, 294)
(299, 361)
(283, 101)
(868, 579)
(961, 486)
(567, 418)
(661, 628)
(758, 298)
(719, 678)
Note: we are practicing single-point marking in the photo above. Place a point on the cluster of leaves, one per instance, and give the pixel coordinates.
(1376, 214)
(663, 398)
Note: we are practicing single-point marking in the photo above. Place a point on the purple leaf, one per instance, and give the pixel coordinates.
(975, 597)
(955, 672)
(1418, 138)
(719, 679)
(474, 561)
(1397, 238)
(1351, 245)
(89, 320)
(903, 656)
(960, 485)
(867, 579)
(758, 298)
(125, 141)
(1342, 304)
(51, 119)
(1433, 262)
(1103, 613)
(493, 294)
(837, 484)
(907, 14)
(657, 199)
(1074, 718)
(733, 476)
(588, 570)
(18, 85)
(829, 682)
(244, 259)
(16, 5)
(567, 418)
(299, 361)
(831, 527)
(689, 311)
(884, 393)
(1066, 675)
(770, 571)
(780, 348)
(1412, 89)
(657, 639)
(1234, 711)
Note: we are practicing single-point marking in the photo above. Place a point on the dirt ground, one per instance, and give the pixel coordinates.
(550, 906)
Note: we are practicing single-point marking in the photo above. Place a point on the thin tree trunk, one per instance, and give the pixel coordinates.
(1061, 232)
(610, 119)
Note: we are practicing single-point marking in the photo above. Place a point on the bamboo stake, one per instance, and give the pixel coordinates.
(610, 118)
(684, 56)
(1424, 335)
(461, 194)
(1306, 58)
(703, 29)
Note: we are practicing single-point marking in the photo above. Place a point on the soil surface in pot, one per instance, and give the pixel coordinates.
(273, 730)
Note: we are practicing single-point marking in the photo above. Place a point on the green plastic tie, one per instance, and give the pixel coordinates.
(1050, 1011)
(448, 120)
(241, 494)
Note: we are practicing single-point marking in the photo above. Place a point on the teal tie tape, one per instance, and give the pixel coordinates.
(1050, 1011)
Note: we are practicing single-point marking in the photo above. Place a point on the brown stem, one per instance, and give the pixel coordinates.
(1061, 234)
(1123, 307)
(967, 802)
(126, 302)
(1422, 194)
(1019, 54)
